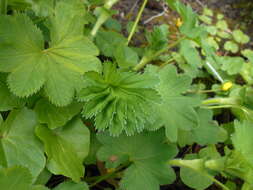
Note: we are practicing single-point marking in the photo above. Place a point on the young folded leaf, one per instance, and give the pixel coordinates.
(120, 101)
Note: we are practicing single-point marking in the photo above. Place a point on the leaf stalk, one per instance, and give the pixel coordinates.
(137, 20)
(198, 165)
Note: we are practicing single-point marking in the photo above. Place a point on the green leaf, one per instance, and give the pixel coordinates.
(8, 101)
(121, 101)
(222, 24)
(126, 57)
(158, 38)
(59, 68)
(42, 8)
(19, 146)
(148, 167)
(68, 185)
(240, 37)
(113, 24)
(232, 65)
(55, 116)
(190, 54)
(192, 178)
(248, 54)
(231, 46)
(15, 178)
(39, 187)
(242, 139)
(207, 132)
(176, 111)
(66, 148)
(109, 41)
(43, 178)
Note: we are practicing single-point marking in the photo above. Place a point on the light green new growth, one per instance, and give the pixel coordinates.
(120, 101)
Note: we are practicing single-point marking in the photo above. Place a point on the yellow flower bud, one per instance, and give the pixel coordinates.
(226, 86)
(179, 22)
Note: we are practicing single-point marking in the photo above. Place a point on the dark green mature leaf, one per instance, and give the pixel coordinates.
(176, 111)
(72, 186)
(120, 101)
(66, 148)
(59, 68)
(55, 116)
(18, 145)
(148, 167)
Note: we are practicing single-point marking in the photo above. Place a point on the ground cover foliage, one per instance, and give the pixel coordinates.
(83, 107)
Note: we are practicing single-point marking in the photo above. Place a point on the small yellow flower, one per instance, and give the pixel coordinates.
(179, 22)
(226, 86)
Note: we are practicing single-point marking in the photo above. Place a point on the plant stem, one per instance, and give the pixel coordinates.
(102, 178)
(109, 175)
(3, 7)
(198, 166)
(146, 59)
(104, 15)
(136, 21)
(221, 101)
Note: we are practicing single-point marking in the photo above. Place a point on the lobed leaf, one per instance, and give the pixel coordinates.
(66, 148)
(148, 168)
(120, 101)
(18, 144)
(58, 69)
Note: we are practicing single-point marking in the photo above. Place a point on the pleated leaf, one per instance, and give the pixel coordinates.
(120, 101)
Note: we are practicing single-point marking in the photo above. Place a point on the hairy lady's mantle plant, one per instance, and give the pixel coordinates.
(74, 92)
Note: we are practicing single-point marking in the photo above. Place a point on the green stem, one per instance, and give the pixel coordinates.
(109, 175)
(136, 21)
(102, 178)
(201, 91)
(104, 15)
(3, 7)
(146, 59)
(198, 166)
(218, 107)
(221, 101)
